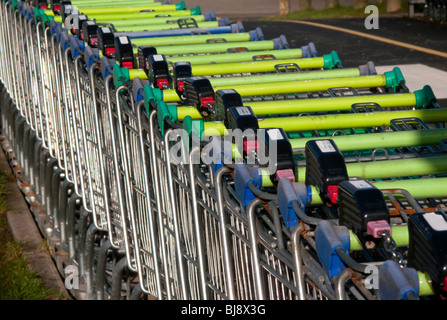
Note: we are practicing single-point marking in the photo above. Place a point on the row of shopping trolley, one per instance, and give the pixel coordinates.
(167, 153)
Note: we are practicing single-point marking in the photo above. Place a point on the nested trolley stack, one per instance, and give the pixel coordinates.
(170, 154)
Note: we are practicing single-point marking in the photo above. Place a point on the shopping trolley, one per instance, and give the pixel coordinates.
(246, 55)
(181, 175)
(157, 70)
(85, 133)
(175, 199)
(34, 115)
(107, 240)
(140, 211)
(258, 203)
(79, 23)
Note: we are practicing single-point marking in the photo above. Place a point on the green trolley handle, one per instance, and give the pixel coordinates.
(388, 79)
(150, 21)
(146, 14)
(141, 27)
(381, 140)
(325, 62)
(193, 39)
(392, 168)
(215, 45)
(335, 121)
(418, 188)
(128, 9)
(241, 56)
(418, 99)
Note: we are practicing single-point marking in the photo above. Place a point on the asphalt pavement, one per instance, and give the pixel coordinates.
(354, 50)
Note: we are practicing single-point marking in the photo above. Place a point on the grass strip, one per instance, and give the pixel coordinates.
(17, 282)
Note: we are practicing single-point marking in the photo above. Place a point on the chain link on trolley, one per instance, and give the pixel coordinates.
(391, 248)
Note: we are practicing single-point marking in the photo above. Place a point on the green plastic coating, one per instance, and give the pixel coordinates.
(418, 188)
(119, 4)
(398, 233)
(93, 10)
(182, 112)
(41, 12)
(283, 77)
(170, 96)
(179, 6)
(380, 140)
(214, 129)
(355, 244)
(114, 3)
(41, 15)
(240, 56)
(425, 96)
(123, 75)
(58, 19)
(255, 66)
(14, 4)
(151, 95)
(120, 76)
(331, 60)
(266, 182)
(392, 168)
(425, 287)
(134, 73)
(193, 39)
(145, 15)
(124, 3)
(331, 104)
(334, 122)
(262, 66)
(291, 87)
(151, 21)
(315, 198)
(159, 27)
(217, 47)
(352, 120)
(394, 78)
(263, 108)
